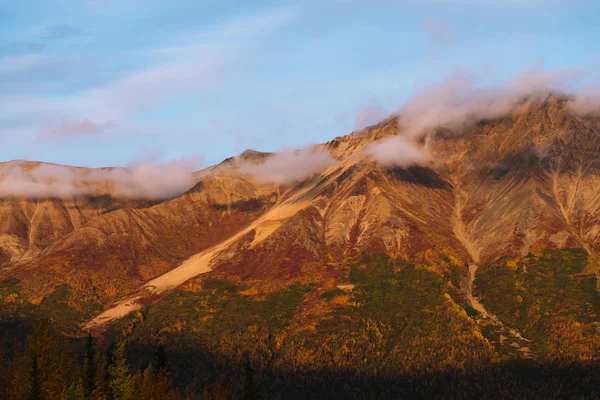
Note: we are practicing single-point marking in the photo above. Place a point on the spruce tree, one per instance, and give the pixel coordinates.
(251, 391)
(35, 391)
(122, 384)
(89, 368)
(161, 359)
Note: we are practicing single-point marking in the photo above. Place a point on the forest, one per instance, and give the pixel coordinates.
(403, 331)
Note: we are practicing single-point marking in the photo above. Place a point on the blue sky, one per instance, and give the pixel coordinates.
(100, 82)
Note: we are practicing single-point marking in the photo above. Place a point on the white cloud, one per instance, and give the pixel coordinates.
(463, 98)
(197, 61)
(290, 166)
(148, 179)
(587, 101)
(398, 151)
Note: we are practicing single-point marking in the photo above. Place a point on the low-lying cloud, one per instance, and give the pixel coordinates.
(587, 101)
(397, 151)
(290, 166)
(148, 180)
(462, 98)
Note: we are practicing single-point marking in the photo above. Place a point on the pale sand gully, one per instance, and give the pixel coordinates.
(197, 264)
(201, 263)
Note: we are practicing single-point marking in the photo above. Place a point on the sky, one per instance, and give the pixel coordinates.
(108, 82)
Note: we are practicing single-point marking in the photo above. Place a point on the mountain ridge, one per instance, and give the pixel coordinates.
(499, 187)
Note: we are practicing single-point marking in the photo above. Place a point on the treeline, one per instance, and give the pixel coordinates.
(47, 365)
(401, 332)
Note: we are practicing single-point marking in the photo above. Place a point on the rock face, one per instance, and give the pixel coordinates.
(508, 186)
(30, 225)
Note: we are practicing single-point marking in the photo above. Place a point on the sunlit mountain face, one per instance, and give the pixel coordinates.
(449, 263)
(209, 200)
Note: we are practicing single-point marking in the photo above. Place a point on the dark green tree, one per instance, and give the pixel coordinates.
(162, 362)
(105, 371)
(251, 390)
(89, 368)
(122, 383)
(35, 391)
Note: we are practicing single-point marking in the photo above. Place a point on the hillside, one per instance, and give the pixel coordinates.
(454, 265)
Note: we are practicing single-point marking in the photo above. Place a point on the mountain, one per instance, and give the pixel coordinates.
(486, 253)
(28, 226)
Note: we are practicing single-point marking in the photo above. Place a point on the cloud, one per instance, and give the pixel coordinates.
(587, 101)
(438, 30)
(398, 151)
(147, 179)
(43, 89)
(290, 166)
(151, 180)
(463, 98)
(112, 104)
(369, 115)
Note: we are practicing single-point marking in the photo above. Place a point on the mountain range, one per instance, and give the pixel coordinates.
(499, 220)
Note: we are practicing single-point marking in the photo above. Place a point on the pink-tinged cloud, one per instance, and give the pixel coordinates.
(148, 180)
(290, 166)
(462, 98)
(204, 58)
(587, 101)
(397, 151)
(369, 115)
(438, 30)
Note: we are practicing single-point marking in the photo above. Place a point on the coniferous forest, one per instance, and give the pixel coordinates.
(403, 332)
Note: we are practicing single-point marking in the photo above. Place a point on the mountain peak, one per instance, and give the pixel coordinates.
(253, 155)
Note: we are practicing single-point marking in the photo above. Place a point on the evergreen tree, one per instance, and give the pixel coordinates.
(122, 384)
(35, 391)
(162, 363)
(89, 368)
(251, 391)
(105, 372)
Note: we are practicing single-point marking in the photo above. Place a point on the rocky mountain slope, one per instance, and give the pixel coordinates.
(506, 187)
(510, 186)
(30, 225)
